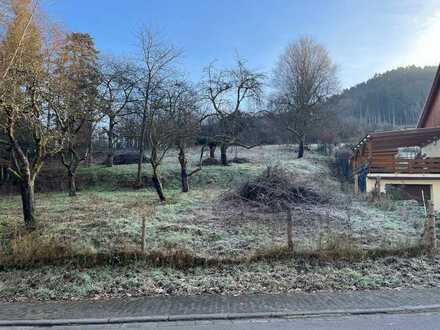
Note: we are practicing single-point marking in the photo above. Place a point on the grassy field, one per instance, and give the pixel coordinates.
(106, 218)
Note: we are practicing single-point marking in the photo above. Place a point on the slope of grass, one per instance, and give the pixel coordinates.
(103, 219)
(138, 279)
(106, 218)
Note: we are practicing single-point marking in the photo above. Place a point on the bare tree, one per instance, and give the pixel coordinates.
(182, 101)
(159, 125)
(74, 87)
(209, 130)
(128, 129)
(305, 77)
(157, 64)
(117, 83)
(228, 92)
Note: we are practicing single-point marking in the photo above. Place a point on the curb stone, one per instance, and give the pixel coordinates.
(220, 316)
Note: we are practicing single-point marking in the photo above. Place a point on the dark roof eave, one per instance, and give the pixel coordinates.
(431, 97)
(409, 132)
(361, 142)
(431, 133)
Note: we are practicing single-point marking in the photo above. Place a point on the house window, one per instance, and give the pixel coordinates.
(408, 152)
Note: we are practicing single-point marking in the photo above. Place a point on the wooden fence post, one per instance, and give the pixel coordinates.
(430, 237)
(356, 184)
(289, 229)
(377, 188)
(143, 234)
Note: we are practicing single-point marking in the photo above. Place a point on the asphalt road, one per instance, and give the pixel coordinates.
(381, 321)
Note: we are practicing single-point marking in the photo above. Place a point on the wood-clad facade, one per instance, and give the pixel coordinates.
(381, 152)
(403, 158)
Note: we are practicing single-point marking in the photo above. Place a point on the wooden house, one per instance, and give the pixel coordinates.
(407, 161)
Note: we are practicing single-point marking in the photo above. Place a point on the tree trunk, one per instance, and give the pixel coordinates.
(301, 148)
(111, 152)
(72, 183)
(141, 150)
(212, 151)
(2, 174)
(27, 198)
(183, 170)
(223, 155)
(158, 184)
(89, 159)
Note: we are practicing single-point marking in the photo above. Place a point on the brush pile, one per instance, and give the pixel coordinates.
(277, 189)
(210, 161)
(240, 160)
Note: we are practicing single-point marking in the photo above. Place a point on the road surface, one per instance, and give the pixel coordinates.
(362, 322)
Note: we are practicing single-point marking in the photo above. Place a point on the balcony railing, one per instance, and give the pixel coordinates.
(409, 166)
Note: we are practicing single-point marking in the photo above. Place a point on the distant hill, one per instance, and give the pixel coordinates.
(388, 100)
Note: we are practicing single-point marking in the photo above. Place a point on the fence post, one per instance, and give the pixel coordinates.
(289, 229)
(356, 184)
(376, 189)
(143, 234)
(430, 238)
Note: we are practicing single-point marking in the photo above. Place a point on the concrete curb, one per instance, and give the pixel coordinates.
(213, 317)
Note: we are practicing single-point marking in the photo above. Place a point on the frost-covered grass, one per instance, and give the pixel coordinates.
(105, 218)
(138, 279)
(102, 220)
(260, 157)
(403, 222)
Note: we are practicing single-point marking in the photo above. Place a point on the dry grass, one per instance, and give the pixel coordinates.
(103, 225)
(33, 251)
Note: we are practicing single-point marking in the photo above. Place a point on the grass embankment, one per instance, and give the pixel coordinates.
(286, 276)
(95, 237)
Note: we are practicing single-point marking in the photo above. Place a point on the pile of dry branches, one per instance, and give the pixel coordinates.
(278, 189)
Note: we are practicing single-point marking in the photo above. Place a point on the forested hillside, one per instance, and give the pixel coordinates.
(391, 99)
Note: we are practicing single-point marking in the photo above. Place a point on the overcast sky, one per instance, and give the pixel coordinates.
(363, 36)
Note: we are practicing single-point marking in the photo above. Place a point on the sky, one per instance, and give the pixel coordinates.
(363, 37)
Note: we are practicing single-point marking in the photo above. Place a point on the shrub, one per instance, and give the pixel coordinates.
(240, 160)
(210, 161)
(341, 164)
(128, 158)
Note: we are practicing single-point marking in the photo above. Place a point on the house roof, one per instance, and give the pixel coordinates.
(401, 138)
(429, 101)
